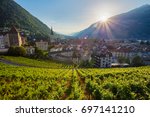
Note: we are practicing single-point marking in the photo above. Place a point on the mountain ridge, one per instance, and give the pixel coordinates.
(134, 24)
(14, 14)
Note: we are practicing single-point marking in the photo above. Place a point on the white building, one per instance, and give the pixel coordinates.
(56, 49)
(30, 50)
(42, 45)
(103, 60)
(2, 42)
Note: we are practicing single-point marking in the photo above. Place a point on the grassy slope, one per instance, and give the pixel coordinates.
(36, 63)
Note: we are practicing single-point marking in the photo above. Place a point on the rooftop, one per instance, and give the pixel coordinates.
(13, 30)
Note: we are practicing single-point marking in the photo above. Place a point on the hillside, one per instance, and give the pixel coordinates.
(22, 61)
(134, 24)
(13, 14)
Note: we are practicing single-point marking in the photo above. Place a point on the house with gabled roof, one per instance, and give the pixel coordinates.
(14, 37)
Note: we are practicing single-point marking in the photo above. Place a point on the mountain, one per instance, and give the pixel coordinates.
(13, 14)
(134, 24)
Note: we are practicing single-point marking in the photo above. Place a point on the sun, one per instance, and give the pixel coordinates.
(104, 19)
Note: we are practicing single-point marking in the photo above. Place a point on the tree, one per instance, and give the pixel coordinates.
(87, 64)
(148, 43)
(11, 51)
(20, 51)
(52, 32)
(121, 59)
(50, 47)
(127, 60)
(17, 51)
(39, 53)
(137, 61)
(142, 42)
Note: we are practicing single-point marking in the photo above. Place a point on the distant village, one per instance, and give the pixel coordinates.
(85, 52)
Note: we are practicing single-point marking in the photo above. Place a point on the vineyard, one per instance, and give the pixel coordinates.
(35, 63)
(28, 83)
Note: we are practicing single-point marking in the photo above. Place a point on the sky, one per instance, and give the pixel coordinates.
(69, 16)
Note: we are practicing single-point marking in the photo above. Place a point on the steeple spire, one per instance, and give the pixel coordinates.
(52, 32)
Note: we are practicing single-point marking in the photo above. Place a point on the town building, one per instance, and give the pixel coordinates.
(63, 55)
(56, 49)
(146, 58)
(24, 40)
(30, 50)
(146, 61)
(85, 55)
(2, 44)
(42, 45)
(102, 59)
(14, 38)
(76, 57)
